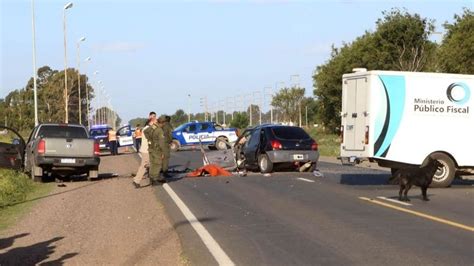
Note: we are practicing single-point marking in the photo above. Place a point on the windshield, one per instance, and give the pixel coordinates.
(98, 132)
(62, 132)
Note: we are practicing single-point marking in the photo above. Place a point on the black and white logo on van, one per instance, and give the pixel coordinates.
(458, 93)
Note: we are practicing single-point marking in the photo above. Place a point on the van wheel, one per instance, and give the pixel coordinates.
(174, 145)
(221, 144)
(264, 163)
(444, 176)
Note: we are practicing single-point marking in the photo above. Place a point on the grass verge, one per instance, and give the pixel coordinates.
(17, 196)
(329, 143)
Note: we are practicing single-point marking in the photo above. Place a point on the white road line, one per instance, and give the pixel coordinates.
(395, 201)
(211, 244)
(304, 179)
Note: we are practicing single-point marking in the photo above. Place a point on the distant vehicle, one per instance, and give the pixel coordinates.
(125, 136)
(63, 149)
(399, 119)
(12, 149)
(209, 133)
(268, 147)
(99, 133)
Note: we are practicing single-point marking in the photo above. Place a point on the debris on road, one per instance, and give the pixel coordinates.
(317, 173)
(209, 170)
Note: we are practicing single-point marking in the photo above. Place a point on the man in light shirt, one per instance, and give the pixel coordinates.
(145, 159)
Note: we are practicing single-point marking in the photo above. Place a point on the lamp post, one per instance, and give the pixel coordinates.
(79, 78)
(66, 97)
(189, 108)
(35, 95)
(87, 96)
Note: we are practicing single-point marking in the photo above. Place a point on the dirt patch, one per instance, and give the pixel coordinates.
(100, 222)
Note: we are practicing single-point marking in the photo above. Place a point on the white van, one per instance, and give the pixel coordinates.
(400, 118)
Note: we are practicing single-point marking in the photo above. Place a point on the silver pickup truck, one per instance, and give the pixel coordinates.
(62, 149)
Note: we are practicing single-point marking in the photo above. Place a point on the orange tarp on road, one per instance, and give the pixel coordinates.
(211, 169)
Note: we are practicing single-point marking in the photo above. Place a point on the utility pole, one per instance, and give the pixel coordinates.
(66, 96)
(189, 108)
(35, 95)
(306, 107)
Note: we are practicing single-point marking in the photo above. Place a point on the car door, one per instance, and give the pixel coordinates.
(190, 134)
(251, 147)
(125, 137)
(12, 149)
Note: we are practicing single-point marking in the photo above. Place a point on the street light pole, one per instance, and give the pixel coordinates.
(35, 94)
(189, 108)
(66, 97)
(87, 95)
(79, 78)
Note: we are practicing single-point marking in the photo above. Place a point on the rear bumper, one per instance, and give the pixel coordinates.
(56, 163)
(293, 156)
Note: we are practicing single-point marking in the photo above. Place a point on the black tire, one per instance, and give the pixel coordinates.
(264, 164)
(221, 143)
(174, 145)
(445, 176)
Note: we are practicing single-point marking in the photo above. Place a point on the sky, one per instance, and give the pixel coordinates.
(166, 55)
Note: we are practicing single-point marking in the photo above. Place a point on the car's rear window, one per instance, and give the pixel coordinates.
(62, 132)
(98, 132)
(290, 133)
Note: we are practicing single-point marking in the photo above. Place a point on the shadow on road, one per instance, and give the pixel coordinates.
(364, 179)
(8, 242)
(34, 254)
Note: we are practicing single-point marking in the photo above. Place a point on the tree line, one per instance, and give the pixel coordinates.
(400, 42)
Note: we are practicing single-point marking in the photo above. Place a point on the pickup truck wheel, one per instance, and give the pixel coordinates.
(444, 176)
(174, 145)
(221, 144)
(264, 163)
(93, 174)
(35, 178)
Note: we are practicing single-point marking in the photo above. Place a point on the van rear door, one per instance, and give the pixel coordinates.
(355, 113)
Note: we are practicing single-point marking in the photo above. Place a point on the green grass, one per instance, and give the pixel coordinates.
(329, 144)
(17, 196)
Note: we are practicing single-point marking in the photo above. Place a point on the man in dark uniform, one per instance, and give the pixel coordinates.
(168, 131)
(156, 145)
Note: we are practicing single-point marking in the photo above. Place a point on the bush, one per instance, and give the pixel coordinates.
(329, 143)
(14, 187)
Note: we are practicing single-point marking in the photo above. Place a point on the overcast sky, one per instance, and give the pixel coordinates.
(152, 54)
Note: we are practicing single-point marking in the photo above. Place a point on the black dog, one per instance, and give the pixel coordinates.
(421, 177)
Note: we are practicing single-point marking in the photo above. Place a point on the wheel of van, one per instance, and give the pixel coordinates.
(444, 176)
(264, 163)
(174, 145)
(221, 144)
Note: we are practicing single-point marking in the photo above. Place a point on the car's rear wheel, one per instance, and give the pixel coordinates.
(264, 163)
(444, 176)
(221, 143)
(174, 145)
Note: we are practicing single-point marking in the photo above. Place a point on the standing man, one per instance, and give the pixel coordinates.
(156, 143)
(168, 131)
(112, 138)
(138, 138)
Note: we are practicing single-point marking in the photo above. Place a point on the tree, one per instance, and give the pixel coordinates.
(240, 120)
(456, 52)
(288, 101)
(138, 121)
(179, 117)
(400, 42)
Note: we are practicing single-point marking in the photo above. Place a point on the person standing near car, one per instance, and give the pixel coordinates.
(156, 145)
(138, 138)
(144, 155)
(112, 138)
(168, 131)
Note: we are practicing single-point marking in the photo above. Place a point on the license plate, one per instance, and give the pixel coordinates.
(68, 160)
(298, 157)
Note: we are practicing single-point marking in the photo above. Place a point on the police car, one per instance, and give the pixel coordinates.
(209, 133)
(100, 133)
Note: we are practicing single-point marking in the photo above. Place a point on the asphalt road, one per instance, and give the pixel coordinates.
(299, 219)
